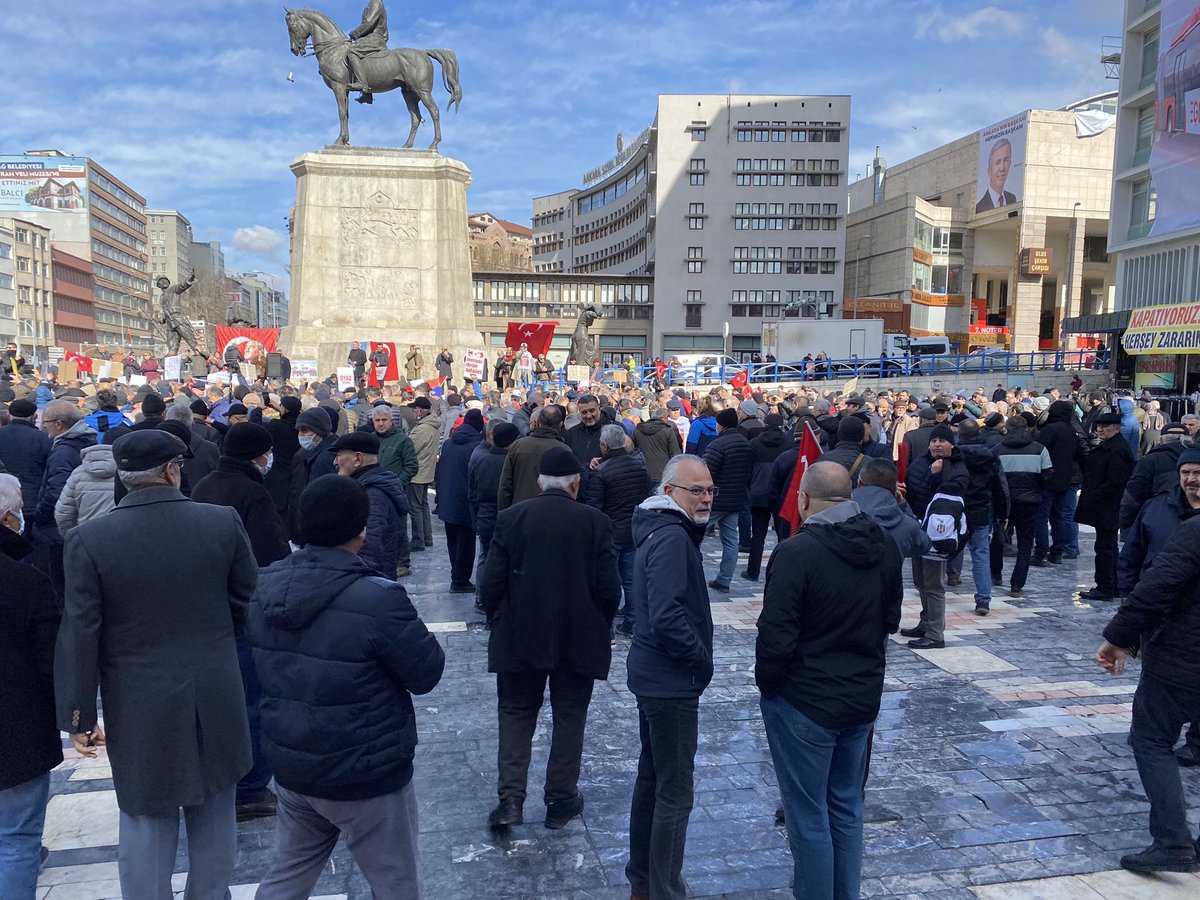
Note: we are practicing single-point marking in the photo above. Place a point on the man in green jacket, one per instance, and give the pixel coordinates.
(398, 455)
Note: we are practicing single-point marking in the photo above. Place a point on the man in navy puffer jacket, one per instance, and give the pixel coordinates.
(339, 653)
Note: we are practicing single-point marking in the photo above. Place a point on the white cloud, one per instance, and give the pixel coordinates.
(258, 240)
(988, 22)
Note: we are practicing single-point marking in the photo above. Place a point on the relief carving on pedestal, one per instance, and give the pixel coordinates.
(376, 287)
(372, 236)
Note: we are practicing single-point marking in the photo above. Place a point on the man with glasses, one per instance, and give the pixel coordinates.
(166, 662)
(669, 666)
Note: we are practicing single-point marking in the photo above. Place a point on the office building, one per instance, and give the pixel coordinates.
(268, 304)
(733, 204)
(1155, 226)
(993, 239)
(207, 258)
(74, 302)
(8, 286)
(93, 215)
(33, 283)
(169, 240)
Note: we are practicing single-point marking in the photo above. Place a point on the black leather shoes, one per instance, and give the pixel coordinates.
(559, 813)
(1156, 860)
(915, 632)
(926, 643)
(508, 812)
(717, 586)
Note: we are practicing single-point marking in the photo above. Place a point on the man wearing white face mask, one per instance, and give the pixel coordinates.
(238, 482)
(30, 747)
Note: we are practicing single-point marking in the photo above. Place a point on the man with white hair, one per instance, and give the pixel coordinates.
(550, 591)
(167, 668)
(63, 421)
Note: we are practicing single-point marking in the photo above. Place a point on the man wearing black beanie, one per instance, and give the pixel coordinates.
(319, 675)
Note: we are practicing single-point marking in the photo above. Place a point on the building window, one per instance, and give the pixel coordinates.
(1143, 207)
(696, 179)
(695, 267)
(697, 165)
(695, 253)
(693, 315)
(1149, 58)
(745, 133)
(22, 236)
(5, 250)
(696, 223)
(1145, 134)
(699, 134)
(695, 209)
(695, 296)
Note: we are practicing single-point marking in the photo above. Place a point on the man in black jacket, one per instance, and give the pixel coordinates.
(24, 451)
(314, 459)
(1163, 614)
(339, 654)
(1106, 472)
(284, 445)
(987, 501)
(939, 470)
(357, 359)
(356, 456)
(670, 663)
(833, 594)
(1027, 470)
(770, 443)
(1155, 473)
(246, 457)
(550, 590)
(617, 486)
(730, 463)
(483, 486)
(31, 746)
(1057, 536)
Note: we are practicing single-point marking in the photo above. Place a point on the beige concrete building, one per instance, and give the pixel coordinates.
(169, 240)
(33, 283)
(734, 204)
(8, 286)
(994, 239)
(498, 245)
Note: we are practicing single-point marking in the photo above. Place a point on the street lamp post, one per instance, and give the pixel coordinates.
(857, 266)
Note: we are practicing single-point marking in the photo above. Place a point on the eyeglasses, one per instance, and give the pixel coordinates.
(696, 491)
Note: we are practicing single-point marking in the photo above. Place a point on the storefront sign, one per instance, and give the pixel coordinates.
(1037, 261)
(927, 299)
(1163, 329)
(877, 306)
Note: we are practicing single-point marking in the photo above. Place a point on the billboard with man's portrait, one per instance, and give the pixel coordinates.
(1175, 154)
(1001, 178)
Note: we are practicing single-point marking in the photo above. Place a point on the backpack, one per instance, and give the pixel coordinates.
(946, 524)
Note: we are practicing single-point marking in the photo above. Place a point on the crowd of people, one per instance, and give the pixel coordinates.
(270, 670)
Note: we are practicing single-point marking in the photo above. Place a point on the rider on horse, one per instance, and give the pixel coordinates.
(368, 39)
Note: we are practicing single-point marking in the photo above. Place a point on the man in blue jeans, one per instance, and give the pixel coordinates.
(30, 746)
(986, 501)
(730, 462)
(669, 666)
(833, 595)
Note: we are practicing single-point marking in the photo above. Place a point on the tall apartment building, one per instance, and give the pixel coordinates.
(169, 244)
(8, 287)
(74, 301)
(34, 285)
(734, 204)
(95, 216)
(267, 303)
(1155, 224)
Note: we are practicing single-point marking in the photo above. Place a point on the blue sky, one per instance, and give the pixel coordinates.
(189, 102)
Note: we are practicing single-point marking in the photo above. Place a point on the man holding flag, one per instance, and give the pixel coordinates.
(787, 470)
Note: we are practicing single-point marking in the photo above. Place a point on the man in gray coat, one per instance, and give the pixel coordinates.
(164, 655)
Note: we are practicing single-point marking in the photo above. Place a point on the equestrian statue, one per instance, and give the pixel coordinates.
(362, 62)
(583, 348)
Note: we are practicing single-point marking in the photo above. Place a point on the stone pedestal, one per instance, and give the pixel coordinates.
(380, 252)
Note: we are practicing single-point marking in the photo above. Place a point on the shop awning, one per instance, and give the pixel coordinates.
(1102, 323)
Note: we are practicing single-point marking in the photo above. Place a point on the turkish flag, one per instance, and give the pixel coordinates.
(392, 373)
(740, 380)
(810, 452)
(82, 363)
(660, 368)
(537, 335)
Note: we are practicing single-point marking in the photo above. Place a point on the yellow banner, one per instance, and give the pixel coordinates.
(1163, 329)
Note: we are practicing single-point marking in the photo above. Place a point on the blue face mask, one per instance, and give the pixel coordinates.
(307, 441)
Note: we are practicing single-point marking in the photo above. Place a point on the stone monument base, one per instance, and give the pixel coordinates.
(380, 252)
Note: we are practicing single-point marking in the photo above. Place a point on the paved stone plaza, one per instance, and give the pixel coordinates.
(1000, 770)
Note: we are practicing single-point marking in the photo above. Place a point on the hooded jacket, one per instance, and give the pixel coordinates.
(1165, 605)
(767, 447)
(1157, 472)
(911, 539)
(659, 441)
(66, 453)
(1131, 429)
(385, 522)
(701, 433)
(88, 492)
(821, 647)
(671, 653)
(338, 654)
(1064, 439)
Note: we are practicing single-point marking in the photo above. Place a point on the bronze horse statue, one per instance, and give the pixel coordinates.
(409, 70)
